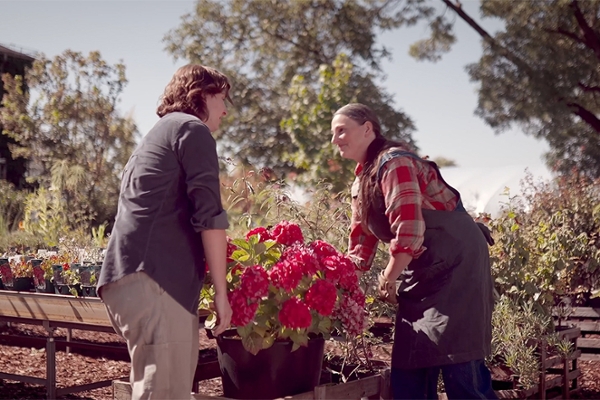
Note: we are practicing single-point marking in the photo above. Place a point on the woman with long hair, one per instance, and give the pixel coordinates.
(438, 272)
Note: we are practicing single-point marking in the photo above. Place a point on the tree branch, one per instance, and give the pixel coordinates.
(482, 32)
(586, 115)
(587, 88)
(592, 40)
(566, 33)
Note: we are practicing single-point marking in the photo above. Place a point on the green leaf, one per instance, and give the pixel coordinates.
(245, 330)
(268, 341)
(210, 322)
(253, 343)
(242, 244)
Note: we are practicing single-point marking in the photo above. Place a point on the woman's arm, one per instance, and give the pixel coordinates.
(214, 242)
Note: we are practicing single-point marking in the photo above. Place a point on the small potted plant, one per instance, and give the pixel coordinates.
(287, 297)
(22, 270)
(6, 273)
(42, 274)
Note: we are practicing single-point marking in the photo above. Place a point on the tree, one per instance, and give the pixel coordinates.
(540, 73)
(261, 45)
(444, 162)
(310, 120)
(71, 132)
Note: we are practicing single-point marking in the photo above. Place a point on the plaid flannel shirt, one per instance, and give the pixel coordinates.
(408, 186)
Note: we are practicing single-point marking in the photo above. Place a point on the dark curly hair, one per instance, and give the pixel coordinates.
(187, 90)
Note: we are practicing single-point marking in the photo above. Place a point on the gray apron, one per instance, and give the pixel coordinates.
(445, 297)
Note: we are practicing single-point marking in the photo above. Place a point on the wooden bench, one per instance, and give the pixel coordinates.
(54, 311)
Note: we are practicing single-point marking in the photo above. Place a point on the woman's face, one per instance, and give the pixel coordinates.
(215, 107)
(351, 138)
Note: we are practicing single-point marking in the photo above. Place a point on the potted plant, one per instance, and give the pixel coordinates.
(5, 273)
(42, 274)
(22, 271)
(287, 297)
(65, 274)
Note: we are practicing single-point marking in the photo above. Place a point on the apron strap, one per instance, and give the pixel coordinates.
(400, 153)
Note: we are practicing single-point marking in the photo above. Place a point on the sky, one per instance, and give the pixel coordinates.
(438, 96)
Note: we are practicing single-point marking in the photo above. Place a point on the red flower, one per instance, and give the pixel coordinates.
(340, 269)
(302, 257)
(287, 233)
(294, 314)
(352, 315)
(254, 282)
(262, 232)
(66, 267)
(321, 297)
(243, 311)
(323, 249)
(286, 275)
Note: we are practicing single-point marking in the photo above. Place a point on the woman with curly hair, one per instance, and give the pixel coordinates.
(438, 272)
(169, 221)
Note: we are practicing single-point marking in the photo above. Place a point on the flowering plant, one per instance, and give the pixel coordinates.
(22, 268)
(6, 273)
(283, 288)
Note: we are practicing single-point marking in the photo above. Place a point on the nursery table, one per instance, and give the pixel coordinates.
(55, 311)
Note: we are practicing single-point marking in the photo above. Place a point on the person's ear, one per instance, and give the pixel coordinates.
(369, 128)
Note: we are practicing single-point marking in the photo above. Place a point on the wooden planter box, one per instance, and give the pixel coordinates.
(588, 320)
(373, 387)
(559, 377)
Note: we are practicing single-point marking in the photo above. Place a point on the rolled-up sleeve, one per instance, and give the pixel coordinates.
(197, 152)
(403, 199)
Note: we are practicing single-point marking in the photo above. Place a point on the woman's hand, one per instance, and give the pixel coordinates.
(387, 289)
(224, 313)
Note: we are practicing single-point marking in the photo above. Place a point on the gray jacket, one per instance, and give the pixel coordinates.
(169, 194)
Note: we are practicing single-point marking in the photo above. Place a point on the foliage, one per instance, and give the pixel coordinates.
(17, 242)
(263, 45)
(547, 54)
(255, 198)
(282, 288)
(516, 331)
(11, 207)
(547, 244)
(70, 130)
(21, 268)
(99, 236)
(310, 120)
(46, 215)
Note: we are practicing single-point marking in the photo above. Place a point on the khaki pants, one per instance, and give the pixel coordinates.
(162, 337)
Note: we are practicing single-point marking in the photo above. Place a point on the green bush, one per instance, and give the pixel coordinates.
(11, 207)
(548, 243)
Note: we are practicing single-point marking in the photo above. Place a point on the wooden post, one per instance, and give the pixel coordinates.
(566, 382)
(69, 336)
(121, 390)
(384, 385)
(542, 384)
(50, 363)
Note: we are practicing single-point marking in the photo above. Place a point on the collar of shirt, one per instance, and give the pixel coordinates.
(358, 169)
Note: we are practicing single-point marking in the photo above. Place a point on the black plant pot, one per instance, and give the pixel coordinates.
(22, 284)
(66, 289)
(89, 291)
(272, 373)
